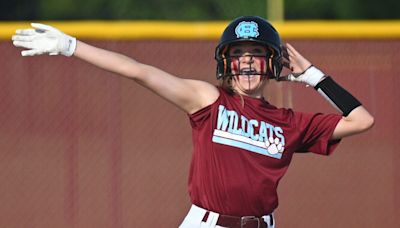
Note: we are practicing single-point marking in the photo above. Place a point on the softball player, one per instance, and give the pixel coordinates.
(243, 145)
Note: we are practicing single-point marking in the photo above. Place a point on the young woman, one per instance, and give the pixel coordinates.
(243, 145)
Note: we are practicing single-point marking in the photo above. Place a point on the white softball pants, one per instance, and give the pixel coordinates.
(194, 219)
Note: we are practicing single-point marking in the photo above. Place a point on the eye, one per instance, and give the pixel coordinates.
(236, 51)
(258, 51)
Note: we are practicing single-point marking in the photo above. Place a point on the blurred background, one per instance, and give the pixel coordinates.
(196, 9)
(83, 148)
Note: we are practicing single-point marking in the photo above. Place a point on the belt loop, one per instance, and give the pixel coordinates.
(272, 219)
(212, 219)
(269, 219)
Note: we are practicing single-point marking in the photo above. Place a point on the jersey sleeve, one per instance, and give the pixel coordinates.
(198, 118)
(316, 130)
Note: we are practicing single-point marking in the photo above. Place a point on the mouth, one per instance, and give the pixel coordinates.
(248, 72)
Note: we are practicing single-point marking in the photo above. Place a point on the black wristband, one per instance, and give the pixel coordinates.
(338, 96)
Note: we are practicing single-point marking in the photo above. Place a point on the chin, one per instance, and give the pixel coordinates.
(251, 91)
(256, 84)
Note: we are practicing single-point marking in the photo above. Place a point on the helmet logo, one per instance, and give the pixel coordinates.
(246, 29)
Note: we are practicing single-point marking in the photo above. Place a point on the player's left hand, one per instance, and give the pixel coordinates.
(301, 69)
(44, 39)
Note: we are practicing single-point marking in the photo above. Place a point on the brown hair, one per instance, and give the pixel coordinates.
(226, 84)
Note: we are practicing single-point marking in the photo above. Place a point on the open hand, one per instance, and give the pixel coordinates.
(43, 39)
(301, 69)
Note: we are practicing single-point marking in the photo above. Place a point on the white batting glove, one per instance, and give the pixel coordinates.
(311, 76)
(44, 39)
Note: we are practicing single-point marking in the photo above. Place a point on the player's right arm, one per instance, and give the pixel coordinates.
(189, 95)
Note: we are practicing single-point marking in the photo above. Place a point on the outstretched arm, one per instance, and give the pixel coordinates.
(189, 95)
(356, 118)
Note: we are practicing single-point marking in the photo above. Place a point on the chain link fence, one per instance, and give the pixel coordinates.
(81, 147)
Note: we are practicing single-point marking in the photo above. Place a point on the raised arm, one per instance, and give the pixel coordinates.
(356, 118)
(189, 95)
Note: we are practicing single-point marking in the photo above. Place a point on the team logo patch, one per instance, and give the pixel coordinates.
(252, 135)
(247, 29)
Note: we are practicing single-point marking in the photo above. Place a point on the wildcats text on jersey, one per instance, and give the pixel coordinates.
(249, 134)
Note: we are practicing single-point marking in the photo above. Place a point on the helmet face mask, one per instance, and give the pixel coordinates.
(249, 29)
(248, 62)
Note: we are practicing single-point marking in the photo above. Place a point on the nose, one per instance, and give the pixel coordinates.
(247, 58)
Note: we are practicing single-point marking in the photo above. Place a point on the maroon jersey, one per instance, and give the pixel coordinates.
(241, 153)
